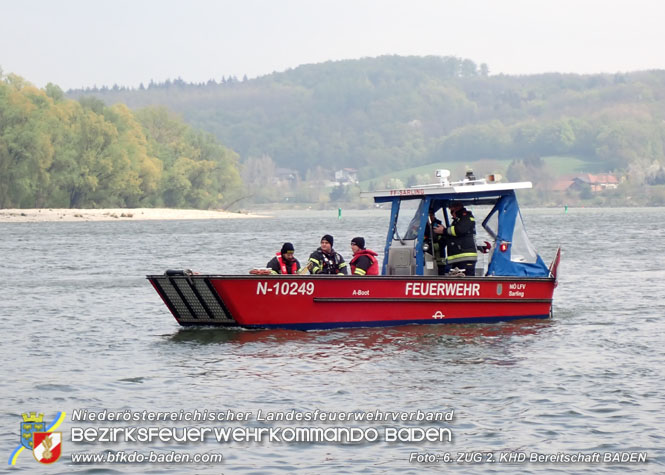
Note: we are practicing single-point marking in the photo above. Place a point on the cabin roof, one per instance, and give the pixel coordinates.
(463, 193)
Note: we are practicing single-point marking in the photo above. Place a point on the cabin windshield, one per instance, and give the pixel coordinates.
(408, 224)
(523, 250)
(513, 253)
(491, 224)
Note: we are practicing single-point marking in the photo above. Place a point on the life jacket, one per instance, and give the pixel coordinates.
(373, 269)
(282, 265)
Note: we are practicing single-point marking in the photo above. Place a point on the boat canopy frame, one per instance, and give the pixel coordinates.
(512, 253)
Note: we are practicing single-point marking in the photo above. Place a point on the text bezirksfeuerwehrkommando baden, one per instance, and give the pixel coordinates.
(347, 435)
(317, 415)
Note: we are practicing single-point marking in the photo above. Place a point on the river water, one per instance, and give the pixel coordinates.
(83, 330)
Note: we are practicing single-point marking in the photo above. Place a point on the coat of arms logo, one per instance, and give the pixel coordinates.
(47, 446)
(40, 438)
(32, 423)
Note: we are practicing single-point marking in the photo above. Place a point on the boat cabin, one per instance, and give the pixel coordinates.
(408, 243)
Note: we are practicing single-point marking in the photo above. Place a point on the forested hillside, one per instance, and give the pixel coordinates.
(390, 113)
(58, 152)
(287, 133)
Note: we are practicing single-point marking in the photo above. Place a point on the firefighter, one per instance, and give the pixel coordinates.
(435, 245)
(284, 261)
(460, 240)
(364, 261)
(325, 260)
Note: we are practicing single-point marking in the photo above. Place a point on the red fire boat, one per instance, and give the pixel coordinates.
(516, 284)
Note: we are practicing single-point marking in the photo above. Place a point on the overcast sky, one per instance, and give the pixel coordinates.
(79, 43)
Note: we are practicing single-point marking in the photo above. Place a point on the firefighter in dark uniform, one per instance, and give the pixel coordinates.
(436, 245)
(325, 260)
(460, 240)
(284, 261)
(364, 261)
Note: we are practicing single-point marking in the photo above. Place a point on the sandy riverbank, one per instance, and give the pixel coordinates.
(113, 214)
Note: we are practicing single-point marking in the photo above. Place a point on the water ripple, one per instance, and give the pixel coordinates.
(84, 330)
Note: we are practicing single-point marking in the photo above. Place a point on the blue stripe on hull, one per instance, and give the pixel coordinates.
(392, 323)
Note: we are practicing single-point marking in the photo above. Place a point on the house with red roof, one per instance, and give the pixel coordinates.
(596, 183)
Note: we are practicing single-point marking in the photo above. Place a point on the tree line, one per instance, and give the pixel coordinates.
(393, 112)
(59, 152)
(121, 146)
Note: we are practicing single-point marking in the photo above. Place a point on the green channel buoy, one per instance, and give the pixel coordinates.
(339, 213)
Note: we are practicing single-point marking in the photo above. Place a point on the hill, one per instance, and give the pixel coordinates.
(390, 113)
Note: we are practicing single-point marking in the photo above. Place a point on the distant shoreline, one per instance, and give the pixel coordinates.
(113, 214)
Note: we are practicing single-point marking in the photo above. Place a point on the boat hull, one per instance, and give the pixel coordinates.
(321, 302)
